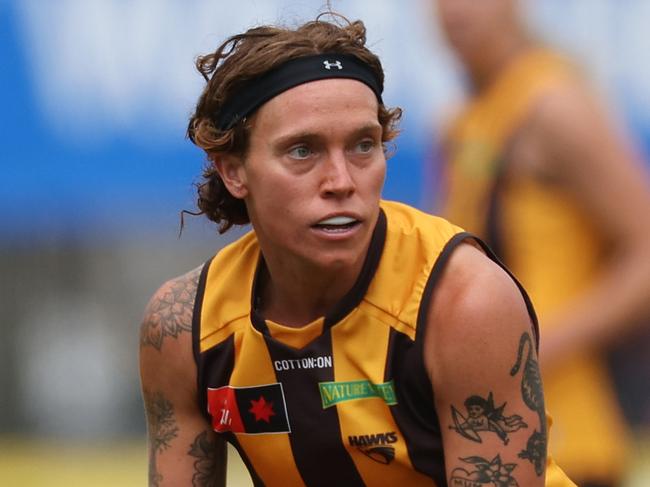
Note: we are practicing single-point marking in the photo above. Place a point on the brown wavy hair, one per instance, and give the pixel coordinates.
(243, 57)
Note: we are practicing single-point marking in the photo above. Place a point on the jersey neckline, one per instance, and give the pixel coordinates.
(348, 302)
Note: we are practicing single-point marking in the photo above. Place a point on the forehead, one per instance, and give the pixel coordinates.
(327, 104)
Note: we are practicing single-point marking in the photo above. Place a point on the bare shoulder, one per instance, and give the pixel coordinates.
(574, 124)
(477, 310)
(584, 147)
(568, 103)
(471, 286)
(169, 312)
(166, 356)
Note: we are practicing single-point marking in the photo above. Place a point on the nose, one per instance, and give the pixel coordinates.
(337, 182)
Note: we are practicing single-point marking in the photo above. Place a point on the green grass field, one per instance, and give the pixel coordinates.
(48, 463)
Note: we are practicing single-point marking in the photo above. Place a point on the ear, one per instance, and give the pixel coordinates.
(233, 174)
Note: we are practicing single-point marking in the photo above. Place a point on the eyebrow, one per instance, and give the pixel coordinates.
(284, 140)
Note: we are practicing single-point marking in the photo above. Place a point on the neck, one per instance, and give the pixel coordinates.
(487, 66)
(296, 295)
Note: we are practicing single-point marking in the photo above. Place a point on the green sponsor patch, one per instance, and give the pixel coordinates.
(332, 393)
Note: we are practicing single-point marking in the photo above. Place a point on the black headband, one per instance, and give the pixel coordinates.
(290, 74)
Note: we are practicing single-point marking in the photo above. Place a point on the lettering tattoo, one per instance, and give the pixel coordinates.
(170, 312)
(210, 464)
(162, 430)
(483, 472)
(482, 415)
(533, 396)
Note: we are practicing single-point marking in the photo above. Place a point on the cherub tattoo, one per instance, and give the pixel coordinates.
(531, 391)
(170, 313)
(482, 415)
(488, 472)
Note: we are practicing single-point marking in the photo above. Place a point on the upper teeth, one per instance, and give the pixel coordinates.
(337, 220)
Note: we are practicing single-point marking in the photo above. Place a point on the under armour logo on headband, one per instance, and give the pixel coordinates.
(254, 93)
(329, 65)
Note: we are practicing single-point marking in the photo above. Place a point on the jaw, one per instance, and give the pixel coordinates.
(318, 255)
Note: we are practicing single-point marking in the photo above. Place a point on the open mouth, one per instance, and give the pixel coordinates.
(337, 224)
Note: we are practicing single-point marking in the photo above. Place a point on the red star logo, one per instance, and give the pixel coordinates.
(262, 410)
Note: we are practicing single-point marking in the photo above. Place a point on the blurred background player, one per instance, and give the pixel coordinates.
(534, 165)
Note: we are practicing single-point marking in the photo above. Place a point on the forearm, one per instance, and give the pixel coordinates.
(183, 449)
(188, 459)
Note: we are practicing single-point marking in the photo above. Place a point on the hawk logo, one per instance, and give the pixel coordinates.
(376, 447)
(336, 64)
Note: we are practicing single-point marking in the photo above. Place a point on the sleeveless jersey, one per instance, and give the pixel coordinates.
(547, 242)
(345, 400)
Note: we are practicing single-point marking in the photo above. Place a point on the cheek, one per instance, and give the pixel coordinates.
(376, 176)
(275, 204)
(282, 196)
(281, 225)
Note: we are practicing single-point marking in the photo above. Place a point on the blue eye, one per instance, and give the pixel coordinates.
(300, 152)
(365, 146)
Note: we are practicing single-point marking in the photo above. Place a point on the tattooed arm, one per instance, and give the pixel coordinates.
(480, 356)
(183, 449)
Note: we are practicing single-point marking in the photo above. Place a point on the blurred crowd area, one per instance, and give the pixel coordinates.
(71, 316)
(95, 169)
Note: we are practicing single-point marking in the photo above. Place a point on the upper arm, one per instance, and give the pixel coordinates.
(481, 358)
(590, 156)
(183, 449)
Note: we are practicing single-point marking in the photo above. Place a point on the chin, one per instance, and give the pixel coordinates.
(339, 261)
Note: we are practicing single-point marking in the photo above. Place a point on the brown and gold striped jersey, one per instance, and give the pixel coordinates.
(346, 399)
